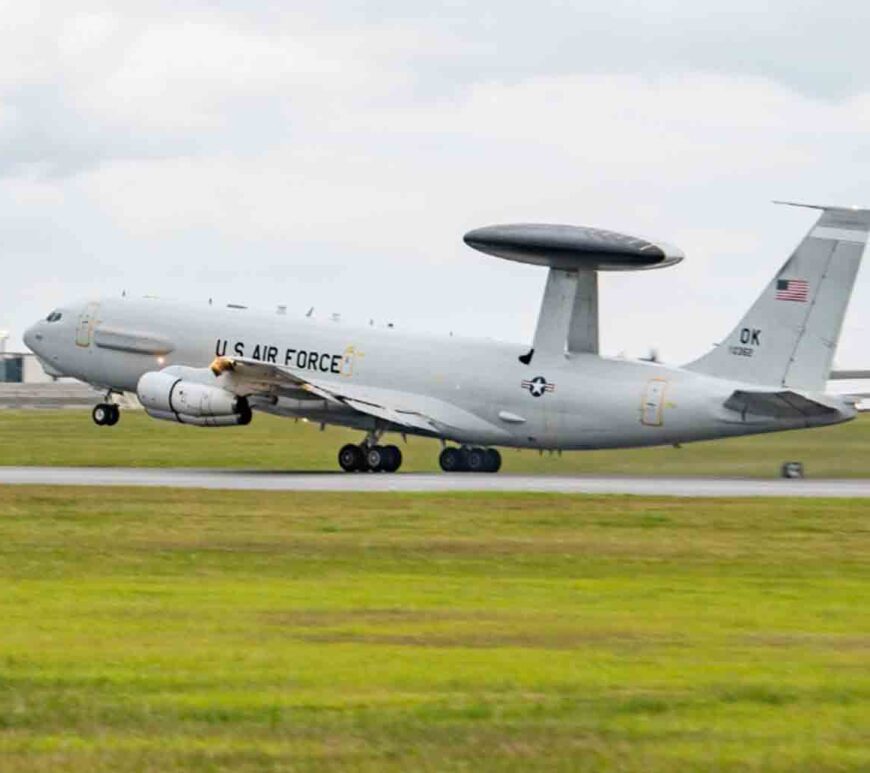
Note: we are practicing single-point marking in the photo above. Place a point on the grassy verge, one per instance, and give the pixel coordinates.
(69, 438)
(172, 630)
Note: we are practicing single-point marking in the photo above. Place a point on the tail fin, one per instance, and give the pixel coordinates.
(789, 335)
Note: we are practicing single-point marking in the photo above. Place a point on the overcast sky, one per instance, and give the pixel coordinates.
(333, 154)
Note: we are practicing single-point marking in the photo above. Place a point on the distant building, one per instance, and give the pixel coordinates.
(22, 368)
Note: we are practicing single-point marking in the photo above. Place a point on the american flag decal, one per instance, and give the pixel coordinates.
(792, 290)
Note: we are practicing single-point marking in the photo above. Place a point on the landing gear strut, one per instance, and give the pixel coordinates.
(106, 414)
(369, 458)
(470, 460)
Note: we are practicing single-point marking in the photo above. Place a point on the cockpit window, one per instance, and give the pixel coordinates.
(53, 317)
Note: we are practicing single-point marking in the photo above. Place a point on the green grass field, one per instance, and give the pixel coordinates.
(155, 630)
(69, 438)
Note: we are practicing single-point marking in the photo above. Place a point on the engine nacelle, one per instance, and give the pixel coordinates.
(172, 398)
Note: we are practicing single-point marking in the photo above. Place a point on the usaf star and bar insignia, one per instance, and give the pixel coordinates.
(538, 386)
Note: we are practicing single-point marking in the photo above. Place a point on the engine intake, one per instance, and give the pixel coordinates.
(171, 398)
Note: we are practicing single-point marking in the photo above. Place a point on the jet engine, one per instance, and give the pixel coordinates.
(172, 398)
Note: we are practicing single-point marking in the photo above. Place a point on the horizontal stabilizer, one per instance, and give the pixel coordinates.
(823, 207)
(845, 375)
(777, 405)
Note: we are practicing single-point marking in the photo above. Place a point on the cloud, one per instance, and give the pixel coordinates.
(812, 47)
(547, 146)
(278, 152)
(78, 89)
(96, 81)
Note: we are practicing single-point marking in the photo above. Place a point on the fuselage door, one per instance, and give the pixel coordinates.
(652, 409)
(85, 327)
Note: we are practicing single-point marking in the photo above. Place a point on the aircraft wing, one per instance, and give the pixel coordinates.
(783, 404)
(405, 409)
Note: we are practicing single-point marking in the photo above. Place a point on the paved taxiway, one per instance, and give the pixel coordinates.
(307, 481)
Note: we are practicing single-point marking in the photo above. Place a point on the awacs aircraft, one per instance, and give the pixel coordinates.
(211, 367)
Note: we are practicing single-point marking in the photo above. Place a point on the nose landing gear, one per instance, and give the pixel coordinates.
(470, 460)
(106, 414)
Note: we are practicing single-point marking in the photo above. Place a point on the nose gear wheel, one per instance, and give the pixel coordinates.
(106, 415)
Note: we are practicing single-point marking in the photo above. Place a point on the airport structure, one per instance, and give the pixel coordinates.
(24, 383)
(22, 368)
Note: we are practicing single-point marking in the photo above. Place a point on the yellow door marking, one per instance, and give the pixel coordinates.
(652, 407)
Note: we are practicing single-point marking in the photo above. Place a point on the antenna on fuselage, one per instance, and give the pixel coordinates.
(568, 318)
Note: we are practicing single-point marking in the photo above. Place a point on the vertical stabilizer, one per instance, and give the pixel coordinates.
(789, 336)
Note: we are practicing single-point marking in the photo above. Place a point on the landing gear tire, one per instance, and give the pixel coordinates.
(353, 458)
(493, 460)
(350, 458)
(383, 458)
(392, 459)
(475, 460)
(100, 415)
(375, 458)
(470, 460)
(105, 415)
(451, 460)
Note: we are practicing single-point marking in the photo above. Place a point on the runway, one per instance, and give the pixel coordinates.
(256, 480)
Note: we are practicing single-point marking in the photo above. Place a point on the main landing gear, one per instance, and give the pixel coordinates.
(466, 459)
(369, 458)
(107, 413)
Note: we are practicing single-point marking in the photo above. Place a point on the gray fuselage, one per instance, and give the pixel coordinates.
(578, 401)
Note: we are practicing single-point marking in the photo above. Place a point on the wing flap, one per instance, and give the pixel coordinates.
(413, 410)
(403, 418)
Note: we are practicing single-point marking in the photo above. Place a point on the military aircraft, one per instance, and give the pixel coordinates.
(213, 367)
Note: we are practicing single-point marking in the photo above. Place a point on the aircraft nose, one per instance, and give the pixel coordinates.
(32, 337)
